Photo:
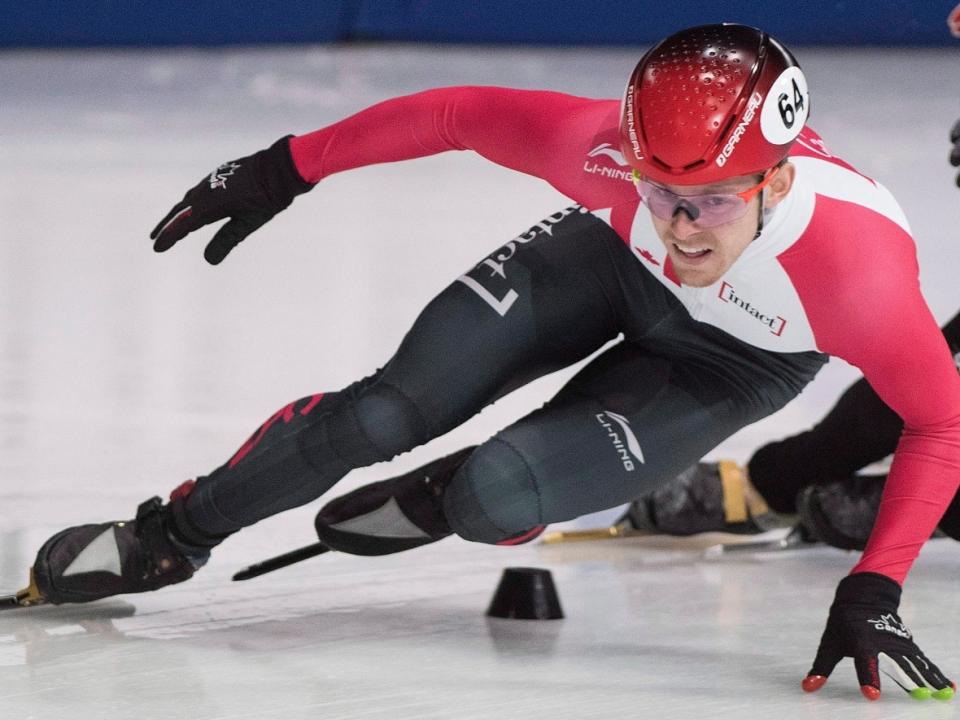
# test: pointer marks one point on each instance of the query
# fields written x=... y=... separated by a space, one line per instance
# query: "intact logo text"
x=776 y=323
x=489 y=280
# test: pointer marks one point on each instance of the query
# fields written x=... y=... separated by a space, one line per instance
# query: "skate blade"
x=793 y=540
x=281 y=561
x=620 y=530
x=28 y=597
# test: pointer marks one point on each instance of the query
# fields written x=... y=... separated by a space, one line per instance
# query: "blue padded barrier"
x=54 y=23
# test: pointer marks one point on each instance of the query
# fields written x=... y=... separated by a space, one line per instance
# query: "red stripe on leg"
x=526 y=537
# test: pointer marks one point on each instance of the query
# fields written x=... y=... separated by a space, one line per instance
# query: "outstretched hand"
x=864 y=625
x=249 y=191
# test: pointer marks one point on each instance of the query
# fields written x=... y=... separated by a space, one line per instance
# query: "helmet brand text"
x=755 y=101
x=632 y=125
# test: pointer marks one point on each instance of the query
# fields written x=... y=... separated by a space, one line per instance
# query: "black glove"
x=955 y=152
x=863 y=624
x=249 y=191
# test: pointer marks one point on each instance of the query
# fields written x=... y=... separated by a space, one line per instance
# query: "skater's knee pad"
x=493 y=497
x=378 y=425
x=392 y=515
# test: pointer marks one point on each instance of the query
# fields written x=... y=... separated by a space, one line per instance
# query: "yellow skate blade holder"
x=27 y=597
x=608 y=533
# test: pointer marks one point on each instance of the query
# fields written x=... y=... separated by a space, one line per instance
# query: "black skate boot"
x=841 y=513
x=89 y=562
x=392 y=515
x=708 y=497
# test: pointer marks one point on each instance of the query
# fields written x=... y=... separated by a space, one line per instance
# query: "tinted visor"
x=707 y=210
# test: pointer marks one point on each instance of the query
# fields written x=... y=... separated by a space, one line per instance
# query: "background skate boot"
x=708 y=497
x=841 y=513
x=89 y=562
x=392 y=515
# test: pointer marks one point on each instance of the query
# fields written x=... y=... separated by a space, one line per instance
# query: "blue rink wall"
x=59 y=23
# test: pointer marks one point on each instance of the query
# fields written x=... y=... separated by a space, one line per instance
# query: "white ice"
x=123 y=373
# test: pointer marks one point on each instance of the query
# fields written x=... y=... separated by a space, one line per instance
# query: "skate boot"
x=89 y=562
x=384 y=517
x=708 y=497
x=841 y=513
x=392 y=515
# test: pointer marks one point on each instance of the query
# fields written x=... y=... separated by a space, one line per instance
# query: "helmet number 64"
x=788 y=108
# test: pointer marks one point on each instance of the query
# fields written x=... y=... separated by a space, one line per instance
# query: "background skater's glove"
x=863 y=624
x=955 y=152
x=249 y=191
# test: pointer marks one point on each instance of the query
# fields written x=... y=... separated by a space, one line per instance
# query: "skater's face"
x=700 y=249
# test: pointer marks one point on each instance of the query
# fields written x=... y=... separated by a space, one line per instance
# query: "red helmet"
x=712 y=102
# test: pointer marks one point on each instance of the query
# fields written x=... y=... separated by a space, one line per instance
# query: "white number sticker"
x=786 y=107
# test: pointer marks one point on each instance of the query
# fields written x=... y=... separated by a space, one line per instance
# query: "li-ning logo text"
x=740 y=129
x=218 y=178
x=596 y=168
x=632 y=125
x=626 y=445
x=775 y=323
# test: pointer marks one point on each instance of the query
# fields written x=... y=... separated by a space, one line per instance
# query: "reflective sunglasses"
x=707 y=210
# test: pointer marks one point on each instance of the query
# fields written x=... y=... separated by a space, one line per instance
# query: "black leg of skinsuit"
x=859 y=430
x=537 y=304
x=548 y=298
x=634 y=417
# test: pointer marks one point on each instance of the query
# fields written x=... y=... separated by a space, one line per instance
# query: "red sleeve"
x=545 y=134
x=919 y=381
x=865 y=306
